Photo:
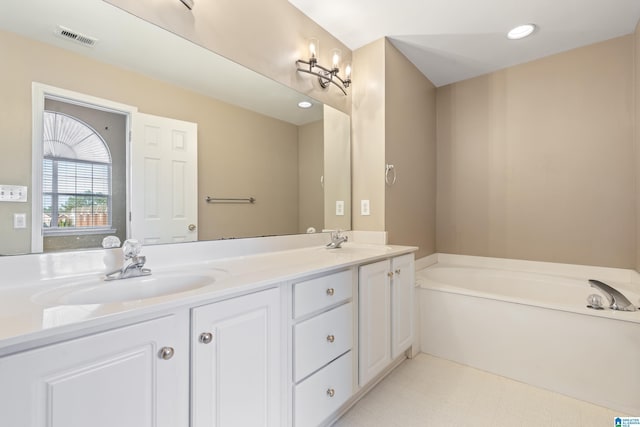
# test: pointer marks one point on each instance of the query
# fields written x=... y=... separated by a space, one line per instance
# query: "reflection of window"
x=76 y=177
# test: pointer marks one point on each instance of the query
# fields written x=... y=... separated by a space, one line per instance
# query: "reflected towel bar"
x=230 y=200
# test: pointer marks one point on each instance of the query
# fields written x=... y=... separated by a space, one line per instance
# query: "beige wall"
x=337 y=168
x=226 y=162
x=310 y=169
x=410 y=145
x=536 y=161
x=636 y=137
x=265 y=36
x=368 y=136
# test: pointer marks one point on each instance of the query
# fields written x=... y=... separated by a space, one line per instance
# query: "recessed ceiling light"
x=304 y=104
x=521 y=31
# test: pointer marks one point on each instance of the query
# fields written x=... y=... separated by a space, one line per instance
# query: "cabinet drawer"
x=321 y=339
x=321 y=292
x=324 y=392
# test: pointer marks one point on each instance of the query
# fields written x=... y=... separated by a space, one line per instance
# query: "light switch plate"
x=365 y=207
x=340 y=207
x=13 y=193
x=19 y=220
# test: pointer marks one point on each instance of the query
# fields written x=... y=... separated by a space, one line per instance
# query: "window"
x=76 y=177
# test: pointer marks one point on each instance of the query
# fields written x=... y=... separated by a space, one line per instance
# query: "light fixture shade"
x=336 y=55
x=521 y=31
x=314 y=48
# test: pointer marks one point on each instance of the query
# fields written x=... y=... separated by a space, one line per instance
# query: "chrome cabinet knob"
x=191 y=227
x=398 y=271
x=206 y=337
x=331 y=392
x=331 y=338
x=330 y=292
x=390 y=274
x=166 y=353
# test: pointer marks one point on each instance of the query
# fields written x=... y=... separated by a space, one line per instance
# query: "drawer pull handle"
x=331 y=338
x=398 y=271
x=206 y=337
x=331 y=392
x=330 y=292
x=166 y=353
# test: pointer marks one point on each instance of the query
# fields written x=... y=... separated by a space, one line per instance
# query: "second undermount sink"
x=97 y=291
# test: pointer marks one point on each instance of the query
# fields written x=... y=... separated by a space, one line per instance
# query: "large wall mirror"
x=253 y=140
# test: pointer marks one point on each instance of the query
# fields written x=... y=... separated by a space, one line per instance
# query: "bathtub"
x=534 y=327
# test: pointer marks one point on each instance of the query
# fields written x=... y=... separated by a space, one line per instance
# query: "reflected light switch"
x=19 y=220
x=340 y=207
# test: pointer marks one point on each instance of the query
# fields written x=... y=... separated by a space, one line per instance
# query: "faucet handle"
x=131 y=248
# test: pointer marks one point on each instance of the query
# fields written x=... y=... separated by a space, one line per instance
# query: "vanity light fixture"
x=521 y=31
x=188 y=3
x=326 y=76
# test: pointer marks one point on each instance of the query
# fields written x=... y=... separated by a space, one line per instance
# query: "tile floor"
x=428 y=391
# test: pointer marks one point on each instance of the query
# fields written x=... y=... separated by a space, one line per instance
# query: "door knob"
x=191 y=227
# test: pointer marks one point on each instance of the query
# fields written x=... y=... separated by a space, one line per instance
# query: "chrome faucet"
x=337 y=239
x=617 y=301
x=135 y=265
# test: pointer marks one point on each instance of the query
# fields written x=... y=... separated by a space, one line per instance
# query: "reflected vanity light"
x=521 y=31
x=188 y=3
x=326 y=76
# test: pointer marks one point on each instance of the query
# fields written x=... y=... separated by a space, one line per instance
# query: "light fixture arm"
x=325 y=75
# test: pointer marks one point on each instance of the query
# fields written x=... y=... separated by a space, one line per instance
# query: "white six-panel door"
x=164 y=180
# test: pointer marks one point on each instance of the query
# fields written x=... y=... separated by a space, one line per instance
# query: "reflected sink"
x=357 y=249
x=97 y=291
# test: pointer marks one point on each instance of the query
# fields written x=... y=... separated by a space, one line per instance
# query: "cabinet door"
x=114 y=378
x=402 y=289
x=374 y=336
x=236 y=369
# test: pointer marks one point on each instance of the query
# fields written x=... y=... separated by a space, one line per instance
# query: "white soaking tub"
x=534 y=327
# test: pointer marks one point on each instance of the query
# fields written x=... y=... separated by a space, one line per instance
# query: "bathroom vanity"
x=286 y=337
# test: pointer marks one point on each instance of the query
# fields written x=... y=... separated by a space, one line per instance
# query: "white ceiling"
x=453 y=40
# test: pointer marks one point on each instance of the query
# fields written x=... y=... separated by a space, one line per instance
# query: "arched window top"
x=66 y=137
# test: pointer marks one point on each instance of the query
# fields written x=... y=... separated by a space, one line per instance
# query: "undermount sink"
x=97 y=291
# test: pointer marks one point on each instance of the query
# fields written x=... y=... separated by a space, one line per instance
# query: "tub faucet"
x=337 y=239
x=135 y=265
x=617 y=301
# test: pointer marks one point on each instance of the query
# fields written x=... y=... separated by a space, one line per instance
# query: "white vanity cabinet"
x=132 y=376
x=385 y=306
x=322 y=332
x=236 y=375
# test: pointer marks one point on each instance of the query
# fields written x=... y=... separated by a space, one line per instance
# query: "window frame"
x=40 y=92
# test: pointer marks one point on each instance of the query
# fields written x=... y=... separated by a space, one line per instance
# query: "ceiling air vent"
x=75 y=36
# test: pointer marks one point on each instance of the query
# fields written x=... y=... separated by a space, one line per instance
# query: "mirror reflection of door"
x=84 y=176
x=164 y=187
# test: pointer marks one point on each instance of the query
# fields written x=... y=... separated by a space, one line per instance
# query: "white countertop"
x=27 y=322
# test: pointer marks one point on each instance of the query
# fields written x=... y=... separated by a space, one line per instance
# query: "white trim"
x=39 y=92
